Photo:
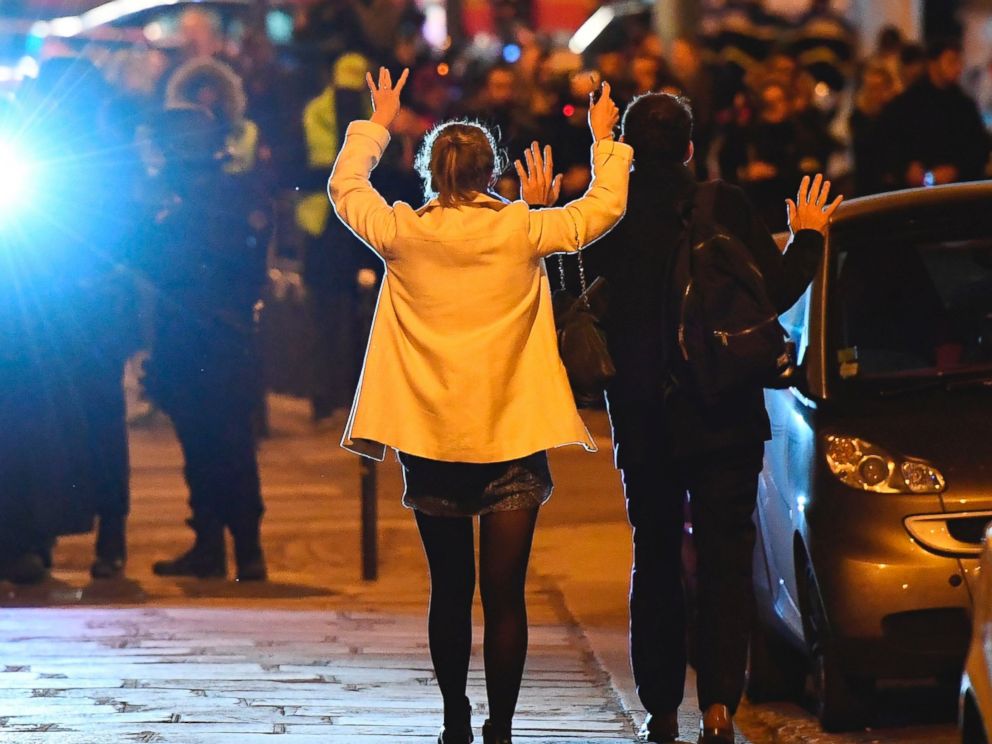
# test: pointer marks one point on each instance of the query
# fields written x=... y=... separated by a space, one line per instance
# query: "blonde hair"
x=457 y=160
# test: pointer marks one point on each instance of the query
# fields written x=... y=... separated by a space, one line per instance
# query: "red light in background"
x=443 y=69
x=568 y=109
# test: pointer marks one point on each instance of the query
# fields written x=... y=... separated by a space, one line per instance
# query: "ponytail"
x=458 y=160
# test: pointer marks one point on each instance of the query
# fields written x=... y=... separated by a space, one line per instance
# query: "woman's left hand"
x=386 y=97
x=539 y=186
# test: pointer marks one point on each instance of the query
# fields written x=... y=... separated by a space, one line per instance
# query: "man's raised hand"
x=810 y=210
x=539 y=186
x=386 y=96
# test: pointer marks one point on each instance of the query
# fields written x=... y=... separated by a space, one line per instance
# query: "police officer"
x=206 y=262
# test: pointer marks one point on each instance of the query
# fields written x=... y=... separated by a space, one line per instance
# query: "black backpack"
x=729 y=337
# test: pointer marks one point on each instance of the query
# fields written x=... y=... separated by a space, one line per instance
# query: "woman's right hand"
x=385 y=97
x=539 y=186
x=603 y=114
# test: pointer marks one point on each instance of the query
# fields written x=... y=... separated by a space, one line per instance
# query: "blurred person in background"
x=740 y=34
x=500 y=105
x=888 y=50
x=68 y=323
x=612 y=62
x=205 y=259
x=878 y=87
x=333 y=255
x=567 y=126
x=199 y=30
x=763 y=156
x=980 y=87
x=933 y=132
x=333 y=27
x=824 y=44
x=199 y=37
x=696 y=78
x=645 y=73
x=913 y=64
x=135 y=77
x=814 y=143
x=430 y=93
x=274 y=98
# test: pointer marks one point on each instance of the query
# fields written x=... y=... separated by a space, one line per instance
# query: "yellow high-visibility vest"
x=320 y=131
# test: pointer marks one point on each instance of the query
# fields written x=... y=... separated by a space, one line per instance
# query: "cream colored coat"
x=462 y=363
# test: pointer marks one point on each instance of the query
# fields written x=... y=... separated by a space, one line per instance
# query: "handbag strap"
x=582 y=272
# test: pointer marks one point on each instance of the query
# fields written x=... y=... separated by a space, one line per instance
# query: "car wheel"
x=775 y=670
x=842 y=701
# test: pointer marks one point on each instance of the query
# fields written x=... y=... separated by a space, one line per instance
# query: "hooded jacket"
x=242 y=135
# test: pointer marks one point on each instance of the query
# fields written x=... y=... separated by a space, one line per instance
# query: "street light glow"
x=592 y=28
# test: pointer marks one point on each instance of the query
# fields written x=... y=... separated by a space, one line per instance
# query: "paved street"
x=317 y=654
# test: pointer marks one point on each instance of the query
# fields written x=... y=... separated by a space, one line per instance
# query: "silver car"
x=877 y=484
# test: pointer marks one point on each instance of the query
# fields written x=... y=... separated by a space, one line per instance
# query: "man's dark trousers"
x=722 y=487
x=221 y=466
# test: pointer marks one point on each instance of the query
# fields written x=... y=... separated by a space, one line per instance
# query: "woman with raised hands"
x=462 y=375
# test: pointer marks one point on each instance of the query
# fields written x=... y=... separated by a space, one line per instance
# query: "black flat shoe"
x=660 y=728
x=207 y=558
x=107 y=567
x=26 y=568
x=490 y=735
x=248 y=551
x=253 y=570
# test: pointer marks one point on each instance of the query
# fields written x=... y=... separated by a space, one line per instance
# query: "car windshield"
x=914 y=302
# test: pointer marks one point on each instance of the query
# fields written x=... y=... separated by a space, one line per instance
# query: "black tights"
x=504 y=549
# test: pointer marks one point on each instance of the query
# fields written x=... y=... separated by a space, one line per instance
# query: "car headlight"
x=868 y=467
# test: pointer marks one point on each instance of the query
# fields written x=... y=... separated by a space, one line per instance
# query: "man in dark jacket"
x=668 y=442
x=933 y=130
x=207 y=266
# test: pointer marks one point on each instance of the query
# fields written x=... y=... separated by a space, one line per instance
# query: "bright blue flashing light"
x=511 y=53
x=15 y=178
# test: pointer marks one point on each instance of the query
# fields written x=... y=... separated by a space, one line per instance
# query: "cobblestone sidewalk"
x=241 y=676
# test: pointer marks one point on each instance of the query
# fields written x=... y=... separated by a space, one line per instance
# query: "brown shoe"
x=716 y=726
x=660 y=728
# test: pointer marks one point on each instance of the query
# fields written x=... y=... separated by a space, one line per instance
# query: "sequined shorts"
x=465 y=489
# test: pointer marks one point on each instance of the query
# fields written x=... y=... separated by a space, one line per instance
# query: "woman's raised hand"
x=603 y=114
x=810 y=210
x=539 y=186
x=385 y=96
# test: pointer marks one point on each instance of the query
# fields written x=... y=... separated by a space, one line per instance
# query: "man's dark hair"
x=937 y=47
x=659 y=127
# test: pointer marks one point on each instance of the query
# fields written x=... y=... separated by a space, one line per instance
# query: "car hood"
x=950 y=429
